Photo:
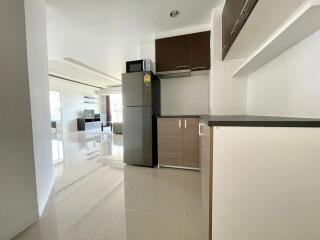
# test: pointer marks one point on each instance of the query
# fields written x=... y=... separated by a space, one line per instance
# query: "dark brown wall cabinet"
x=185 y=52
x=234 y=16
x=173 y=53
x=200 y=51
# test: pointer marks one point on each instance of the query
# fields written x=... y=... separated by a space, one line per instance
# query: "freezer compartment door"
x=137 y=136
x=136 y=89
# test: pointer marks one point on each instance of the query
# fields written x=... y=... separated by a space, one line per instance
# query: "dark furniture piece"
x=108 y=124
x=85 y=124
x=53 y=124
x=234 y=16
x=185 y=53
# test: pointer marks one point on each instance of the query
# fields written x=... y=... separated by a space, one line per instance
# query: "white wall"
x=18 y=192
x=188 y=95
x=39 y=87
x=288 y=85
x=182 y=31
x=148 y=51
x=72 y=101
x=227 y=95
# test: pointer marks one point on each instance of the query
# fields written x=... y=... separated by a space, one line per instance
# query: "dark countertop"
x=258 y=121
x=178 y=116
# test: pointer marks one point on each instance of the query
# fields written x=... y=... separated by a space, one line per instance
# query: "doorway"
x=55 y=111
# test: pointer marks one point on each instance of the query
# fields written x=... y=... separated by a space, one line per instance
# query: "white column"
x=25 y=145
x=36 y=33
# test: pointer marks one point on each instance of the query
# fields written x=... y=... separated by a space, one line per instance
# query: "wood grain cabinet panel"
x=234 y=16
x=205 y=157
x=200 y=51
x=178 y=142
x=248 y=7
x=170 y=151
x=185 y=52
x=231 y=22
x=190 y=142
x=173 y=53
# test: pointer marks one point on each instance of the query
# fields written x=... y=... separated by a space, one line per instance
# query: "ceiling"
x=76 y=71
x=103 y=34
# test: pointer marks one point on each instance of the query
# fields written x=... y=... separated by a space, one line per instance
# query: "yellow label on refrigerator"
x=147 y=78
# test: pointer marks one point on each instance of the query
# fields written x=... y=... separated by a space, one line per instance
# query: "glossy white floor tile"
x=78 y=154
x=118 y=202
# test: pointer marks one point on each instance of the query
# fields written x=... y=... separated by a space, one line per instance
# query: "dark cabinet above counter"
x=200 y=51
x=234 y=16
x=180 y=55
x=173 y=54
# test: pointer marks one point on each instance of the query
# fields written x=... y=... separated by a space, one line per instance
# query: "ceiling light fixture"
x=174 y=13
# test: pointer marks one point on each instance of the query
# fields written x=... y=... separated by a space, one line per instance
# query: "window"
x=55 y=106
x=116 y=107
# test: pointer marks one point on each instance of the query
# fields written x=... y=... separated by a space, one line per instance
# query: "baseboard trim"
x=178 y=167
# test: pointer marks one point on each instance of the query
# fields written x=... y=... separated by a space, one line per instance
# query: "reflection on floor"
x=78 y=154
x=99 y=198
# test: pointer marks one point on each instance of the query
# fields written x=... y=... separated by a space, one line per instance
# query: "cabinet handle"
x=197 y=68
x=200 y=129
x=244 y=9
x=234 y=27
x=185 y=123
x=179 y=67
x=179 y=123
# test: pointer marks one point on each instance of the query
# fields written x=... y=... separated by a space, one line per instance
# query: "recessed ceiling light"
x=174 y=13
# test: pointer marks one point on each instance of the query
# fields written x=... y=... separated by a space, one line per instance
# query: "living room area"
x=86 y=123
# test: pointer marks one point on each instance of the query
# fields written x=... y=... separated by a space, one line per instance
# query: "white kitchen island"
x=260 y=177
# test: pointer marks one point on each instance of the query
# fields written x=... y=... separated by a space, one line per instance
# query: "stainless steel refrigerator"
x=141 y=106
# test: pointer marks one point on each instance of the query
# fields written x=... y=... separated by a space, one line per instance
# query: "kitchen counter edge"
x=178 y=116
x=258 y=121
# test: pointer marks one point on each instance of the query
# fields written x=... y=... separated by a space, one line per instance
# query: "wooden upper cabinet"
x=200 y=51
x=185 y=52
x=231 y=22
x=235 y=14
x=248 y=7
x=173 y=54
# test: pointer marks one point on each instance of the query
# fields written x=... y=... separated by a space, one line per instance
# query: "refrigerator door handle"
x=185 y=123
x=179 y=123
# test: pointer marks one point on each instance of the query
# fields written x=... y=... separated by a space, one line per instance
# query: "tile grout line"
x=115 y=186
x=81 y=181
x=184 y=215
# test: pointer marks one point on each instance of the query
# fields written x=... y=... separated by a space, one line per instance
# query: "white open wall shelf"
x=301 y=24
